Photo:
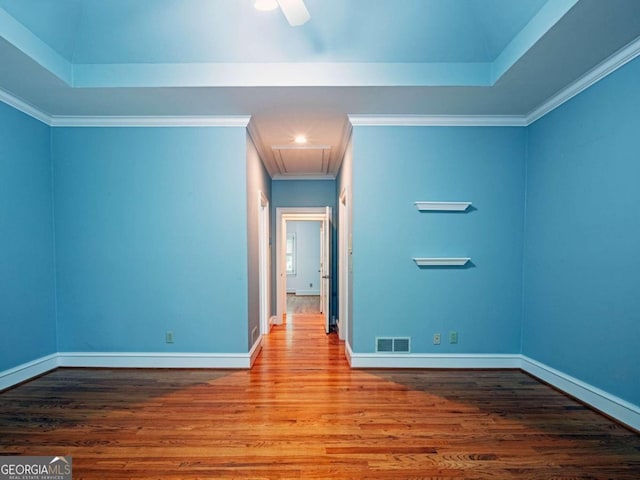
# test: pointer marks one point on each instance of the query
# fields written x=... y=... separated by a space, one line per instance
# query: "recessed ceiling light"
x=300 y=139
x=265 y=5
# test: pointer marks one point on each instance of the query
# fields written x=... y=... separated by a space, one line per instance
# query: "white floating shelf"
x=441 y=262
x=442 y=206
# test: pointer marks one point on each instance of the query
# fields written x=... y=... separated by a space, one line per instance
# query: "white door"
x=325 y=267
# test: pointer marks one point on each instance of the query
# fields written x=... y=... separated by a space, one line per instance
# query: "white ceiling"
x=499 y=61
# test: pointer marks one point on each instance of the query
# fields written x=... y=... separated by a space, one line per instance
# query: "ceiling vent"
x=303 y=161
x=393 y=344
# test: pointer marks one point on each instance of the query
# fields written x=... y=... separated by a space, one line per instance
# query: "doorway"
x=303 y=264
x=323 y=215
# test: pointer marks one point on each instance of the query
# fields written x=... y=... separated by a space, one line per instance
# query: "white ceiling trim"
x=150 y=121
x=300 y=147
x=607 y=67
x=303 y=177
x=24 y=107
x=610 y=65
x=438 y=120
x=266 y=156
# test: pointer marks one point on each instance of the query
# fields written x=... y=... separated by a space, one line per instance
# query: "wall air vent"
x=393 y=344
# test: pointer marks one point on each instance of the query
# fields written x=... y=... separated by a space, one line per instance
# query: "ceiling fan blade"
x=295 y=11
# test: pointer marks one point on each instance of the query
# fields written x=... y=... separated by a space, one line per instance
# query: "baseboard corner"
x=25 y=372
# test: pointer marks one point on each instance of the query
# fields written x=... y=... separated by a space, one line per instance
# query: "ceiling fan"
x=295 y=11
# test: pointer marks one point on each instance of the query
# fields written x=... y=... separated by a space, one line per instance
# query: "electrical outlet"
x=436 y=339
x=453 y=337
x=168 y=336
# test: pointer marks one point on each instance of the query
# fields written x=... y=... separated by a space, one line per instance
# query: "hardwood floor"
x=302 y=413
x=303 y=303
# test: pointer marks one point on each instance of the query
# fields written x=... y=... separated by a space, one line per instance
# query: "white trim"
x=265 y=154
x=24 y=107
x=27 y=371
x=438 y=120
x=348 y=352
x=264 y=270
x=124 y=120
x=302 y=293
x=617 y=408
x=596 y=74
x=610 y=65
x=150 y=121
x=255 y=351
x=156 y=359
x=300 y=147
x=431 y=360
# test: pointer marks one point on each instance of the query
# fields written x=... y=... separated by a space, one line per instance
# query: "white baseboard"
x=428 y=360
x=154 y=360
x=255 y=351
x=303 y=293
x=27 y=371
x=617 y=408
x=339 y=329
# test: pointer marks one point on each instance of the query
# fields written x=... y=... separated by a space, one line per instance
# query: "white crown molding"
x=27 y=371
x=265 y=155
x=437 y=120
x=345 y=137
x=599 y=72
x=300 y=147
x=610 y=65
x=24 y=107
x=150 y=121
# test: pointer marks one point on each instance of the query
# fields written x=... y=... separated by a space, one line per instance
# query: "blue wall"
x=303 y=193
x=396 y=166
x=151 y=229
x=582 y=306
x=27 y=290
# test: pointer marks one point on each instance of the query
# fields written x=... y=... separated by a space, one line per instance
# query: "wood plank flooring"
x=303 y=303
x=302 y=413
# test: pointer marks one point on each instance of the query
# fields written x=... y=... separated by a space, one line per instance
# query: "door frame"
x=344 y=264
x=283 y=215
x=264 y=263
